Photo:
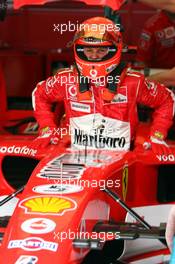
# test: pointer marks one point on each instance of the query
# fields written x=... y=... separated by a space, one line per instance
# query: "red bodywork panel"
x=43 y=214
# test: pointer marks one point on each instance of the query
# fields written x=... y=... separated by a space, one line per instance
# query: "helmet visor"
x=95 y=53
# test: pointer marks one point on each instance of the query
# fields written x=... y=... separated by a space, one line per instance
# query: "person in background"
x=170 y=228
x=156 y=45
x=167 y=77
x=168 y=5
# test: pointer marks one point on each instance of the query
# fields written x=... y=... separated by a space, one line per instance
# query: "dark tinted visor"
x=82 y=53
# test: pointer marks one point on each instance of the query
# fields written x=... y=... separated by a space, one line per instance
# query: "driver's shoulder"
x=65 y=71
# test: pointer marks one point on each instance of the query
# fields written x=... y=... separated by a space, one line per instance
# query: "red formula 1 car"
x=72 y=207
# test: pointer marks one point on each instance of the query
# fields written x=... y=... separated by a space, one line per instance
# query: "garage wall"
x=29 y=44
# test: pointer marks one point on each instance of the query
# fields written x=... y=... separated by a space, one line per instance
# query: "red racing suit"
x=102 y=124
x=157 y=42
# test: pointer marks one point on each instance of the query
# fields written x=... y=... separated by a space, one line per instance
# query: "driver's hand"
x=48 y=135
x=158 y=147
x=155 y=143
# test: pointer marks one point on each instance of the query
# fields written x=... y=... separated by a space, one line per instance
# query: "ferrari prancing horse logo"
x=125 y=181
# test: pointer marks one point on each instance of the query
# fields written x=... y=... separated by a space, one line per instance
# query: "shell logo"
x=47 y=205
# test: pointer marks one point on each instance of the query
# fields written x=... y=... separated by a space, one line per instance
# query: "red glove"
x=48 y=135
x=158 y=146
x=155 y=143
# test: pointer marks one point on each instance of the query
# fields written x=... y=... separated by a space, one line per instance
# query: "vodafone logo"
x=93 y=73
x=169 y=157
x=18 y=150
x=72 y=90
x=38 y=226
x=169 y=32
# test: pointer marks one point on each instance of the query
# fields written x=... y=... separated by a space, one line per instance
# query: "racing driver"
x=101 y=95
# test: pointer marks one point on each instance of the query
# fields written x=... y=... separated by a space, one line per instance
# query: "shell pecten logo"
x=47 y=205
